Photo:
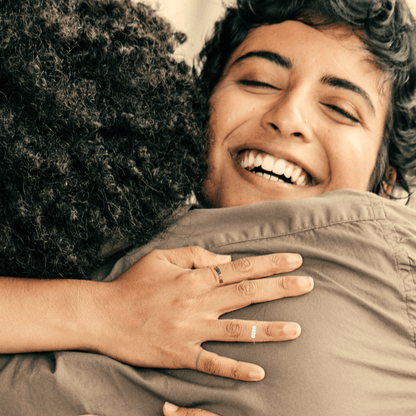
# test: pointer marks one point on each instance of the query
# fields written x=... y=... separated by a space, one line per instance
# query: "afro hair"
x=101 y=132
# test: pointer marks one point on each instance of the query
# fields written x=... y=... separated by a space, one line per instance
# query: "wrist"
x=88 y=328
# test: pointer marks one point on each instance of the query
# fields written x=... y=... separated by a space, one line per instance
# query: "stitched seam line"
x=291 y=233
x=401 y=258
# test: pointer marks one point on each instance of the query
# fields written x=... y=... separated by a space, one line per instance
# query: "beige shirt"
x=356 y=355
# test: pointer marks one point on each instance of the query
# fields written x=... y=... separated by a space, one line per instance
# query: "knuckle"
x=236 y=371
x=233 y=329
x=182 y=303
x=190 y=277
x=268 y=330
x=196 y=251
x=284 y=283
x=212 y=365
x=278 y=260
x=246 y=289
x=244 y=266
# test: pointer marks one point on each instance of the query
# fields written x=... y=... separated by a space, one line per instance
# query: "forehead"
x=316 y=52
x=294 y=34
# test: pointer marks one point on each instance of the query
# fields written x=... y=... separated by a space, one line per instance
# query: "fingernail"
x=291 y=329
x=294 y=259
x=256 y=374
x=305 y=282
x=171 y=407
x=223 y=258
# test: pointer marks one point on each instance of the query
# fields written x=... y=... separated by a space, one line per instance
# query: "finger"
x=192 y=257
x=233 y=330
x=171 y=409
x=211 y=363
x=261 y=266
x=232 y=297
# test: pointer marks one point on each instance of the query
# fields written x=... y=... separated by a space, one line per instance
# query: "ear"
x=391 y=176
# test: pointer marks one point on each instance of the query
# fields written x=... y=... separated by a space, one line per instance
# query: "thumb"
x=193 y=257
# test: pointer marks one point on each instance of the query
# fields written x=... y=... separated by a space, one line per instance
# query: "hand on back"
x=160 y=311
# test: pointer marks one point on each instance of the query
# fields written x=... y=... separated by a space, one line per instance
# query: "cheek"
x=352 y=160
x=229 y=110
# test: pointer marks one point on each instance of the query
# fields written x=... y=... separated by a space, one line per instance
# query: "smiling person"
x=276 y=110
x=318 y=99
x=312 y=106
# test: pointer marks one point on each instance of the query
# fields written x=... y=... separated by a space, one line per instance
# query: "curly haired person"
x=102 y=138
x=101 y=134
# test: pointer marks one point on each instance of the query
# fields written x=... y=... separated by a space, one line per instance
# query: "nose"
x=288 y=115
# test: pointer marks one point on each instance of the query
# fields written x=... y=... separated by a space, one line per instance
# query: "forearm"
x=46 y=315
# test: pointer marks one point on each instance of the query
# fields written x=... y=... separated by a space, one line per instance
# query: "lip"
x=277 y=154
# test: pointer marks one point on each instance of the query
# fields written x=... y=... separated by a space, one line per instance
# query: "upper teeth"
x=249 y=159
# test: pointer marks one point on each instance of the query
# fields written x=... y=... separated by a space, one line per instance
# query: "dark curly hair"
x=101 y=132
x=386 y=28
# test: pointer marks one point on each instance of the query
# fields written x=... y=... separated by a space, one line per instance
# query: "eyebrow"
x=347 y=85
x=270 y=56
x=327 y=80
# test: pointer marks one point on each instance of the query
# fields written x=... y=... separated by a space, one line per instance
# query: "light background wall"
x=412 y=5
x=196 y=18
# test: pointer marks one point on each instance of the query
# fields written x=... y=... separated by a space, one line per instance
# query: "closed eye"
x=342 y=112
x=256 y=84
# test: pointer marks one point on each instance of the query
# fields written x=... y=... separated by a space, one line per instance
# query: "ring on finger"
x=217 y=273
x=197 y=359
x=253 y=332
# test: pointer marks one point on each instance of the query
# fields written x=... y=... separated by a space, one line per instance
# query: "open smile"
x=273 y=168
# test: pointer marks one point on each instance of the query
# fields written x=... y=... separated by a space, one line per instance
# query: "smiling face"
x=298 y=112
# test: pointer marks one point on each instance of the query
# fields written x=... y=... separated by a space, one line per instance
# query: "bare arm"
x=45 y=315
x=156 y=314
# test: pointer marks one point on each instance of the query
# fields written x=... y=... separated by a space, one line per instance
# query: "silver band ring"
x=253 y=332
x=217 y=273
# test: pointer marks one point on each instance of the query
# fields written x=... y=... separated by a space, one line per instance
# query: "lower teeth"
x=275 y=178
